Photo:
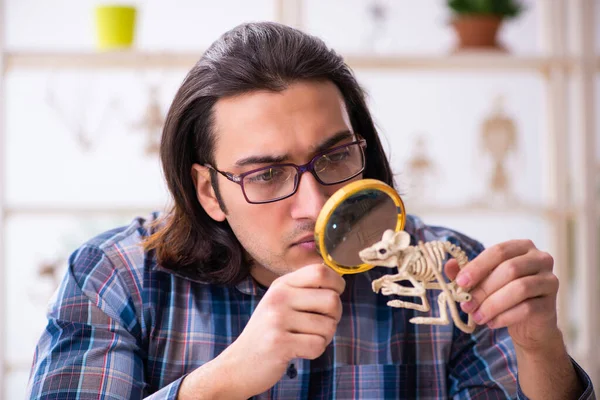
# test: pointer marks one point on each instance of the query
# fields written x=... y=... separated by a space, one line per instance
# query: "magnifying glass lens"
x=354 y=218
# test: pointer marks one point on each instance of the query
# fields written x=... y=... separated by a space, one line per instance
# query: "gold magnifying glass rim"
x=331 y=205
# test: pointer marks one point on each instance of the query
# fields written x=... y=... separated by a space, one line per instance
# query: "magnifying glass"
x=354 y=218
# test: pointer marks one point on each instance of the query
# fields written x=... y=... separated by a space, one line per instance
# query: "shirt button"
x=292 y=372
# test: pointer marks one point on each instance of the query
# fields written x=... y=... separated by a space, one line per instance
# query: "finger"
x=312 y=324
x=451 y=268
x=316 y=276
x=321 y=301
x=513 y=294
x=524 y=311
x=506 y=272
x=481 y=266
x=308 y=346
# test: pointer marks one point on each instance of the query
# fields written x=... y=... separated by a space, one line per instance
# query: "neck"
x=263 y=276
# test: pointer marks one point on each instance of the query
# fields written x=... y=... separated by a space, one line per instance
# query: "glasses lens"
x=269 y=183
x=340 y=164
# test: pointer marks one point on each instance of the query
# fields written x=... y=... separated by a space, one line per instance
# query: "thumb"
x=451 y=268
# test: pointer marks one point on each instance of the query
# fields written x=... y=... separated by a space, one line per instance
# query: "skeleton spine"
x=457 y=253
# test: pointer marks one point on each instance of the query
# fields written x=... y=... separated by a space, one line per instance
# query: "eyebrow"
x=269 y=159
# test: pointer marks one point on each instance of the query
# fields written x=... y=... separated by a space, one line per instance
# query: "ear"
x=387 y=235
x=401 y=240
x=205 y=193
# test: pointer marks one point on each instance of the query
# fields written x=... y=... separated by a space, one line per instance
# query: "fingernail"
x=463 y=280
x=478 y=317
x=468 y=306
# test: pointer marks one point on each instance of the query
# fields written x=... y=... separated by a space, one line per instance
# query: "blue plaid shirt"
x=120 y=327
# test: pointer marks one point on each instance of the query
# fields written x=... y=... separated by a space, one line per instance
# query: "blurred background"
x=497 y=138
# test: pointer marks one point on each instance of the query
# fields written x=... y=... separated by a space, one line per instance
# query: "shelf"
x=100 y=60
x=80 y=211
x=185 y=60
x=464 y=61
x=451 y=210
x=480 y=209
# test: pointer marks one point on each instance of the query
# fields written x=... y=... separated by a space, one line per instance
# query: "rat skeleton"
x=422 y=266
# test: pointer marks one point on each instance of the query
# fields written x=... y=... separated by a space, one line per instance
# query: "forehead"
x=290 y=122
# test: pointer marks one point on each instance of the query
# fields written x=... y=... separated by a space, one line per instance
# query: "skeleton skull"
x=388 y=252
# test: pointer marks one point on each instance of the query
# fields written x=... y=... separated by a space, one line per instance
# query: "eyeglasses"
x=280 y=181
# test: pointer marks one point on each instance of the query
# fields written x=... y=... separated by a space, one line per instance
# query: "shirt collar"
x=250 y=287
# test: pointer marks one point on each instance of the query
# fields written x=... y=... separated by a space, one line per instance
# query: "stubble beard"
x=278 y=263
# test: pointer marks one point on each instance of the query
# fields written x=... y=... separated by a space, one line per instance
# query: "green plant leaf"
x=502 y=8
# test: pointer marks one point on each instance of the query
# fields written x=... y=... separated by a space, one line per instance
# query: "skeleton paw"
x=380 y=283
x=429 y=321
x=389 y=288
x=458 y=293
x=376 y=285
x=460 y=297
x=396 y=303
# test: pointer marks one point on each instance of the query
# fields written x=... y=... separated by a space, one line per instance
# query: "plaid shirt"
x=120 y=327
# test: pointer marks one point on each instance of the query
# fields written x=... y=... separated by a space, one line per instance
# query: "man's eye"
x=268 y=176
x=264 y=177
x=338 y=156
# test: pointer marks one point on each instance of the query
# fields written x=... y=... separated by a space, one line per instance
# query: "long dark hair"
x=252 y=56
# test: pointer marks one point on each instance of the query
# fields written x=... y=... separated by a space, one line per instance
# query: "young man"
x=226 y=297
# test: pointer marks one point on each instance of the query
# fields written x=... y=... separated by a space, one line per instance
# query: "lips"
x=304 y=239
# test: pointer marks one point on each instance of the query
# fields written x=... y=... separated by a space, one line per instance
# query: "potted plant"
x=477 y=22
x=115 y=26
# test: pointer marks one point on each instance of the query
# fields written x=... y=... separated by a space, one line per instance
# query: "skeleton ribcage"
x=437 y=251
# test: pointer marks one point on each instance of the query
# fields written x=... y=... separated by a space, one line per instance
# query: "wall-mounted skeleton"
x=422 y=266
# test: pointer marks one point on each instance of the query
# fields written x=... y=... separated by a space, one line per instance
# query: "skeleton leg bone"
x=411 y=306
x=388 y=285
x=390 y=289
x=441 y=320
x=450 y=300
x=418 y=291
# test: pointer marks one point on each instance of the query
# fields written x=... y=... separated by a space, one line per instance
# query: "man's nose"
x=309 y=198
